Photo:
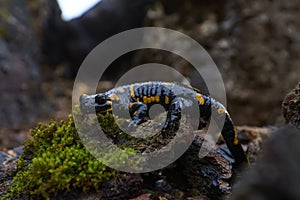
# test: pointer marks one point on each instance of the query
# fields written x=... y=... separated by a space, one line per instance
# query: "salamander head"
x=100 y=103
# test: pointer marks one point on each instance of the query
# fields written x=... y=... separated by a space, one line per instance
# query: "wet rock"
x=276 y=173
x=162 y=185
x=210 y=175
x=291 y=106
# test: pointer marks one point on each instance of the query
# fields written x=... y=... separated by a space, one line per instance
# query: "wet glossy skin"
x=140 y=97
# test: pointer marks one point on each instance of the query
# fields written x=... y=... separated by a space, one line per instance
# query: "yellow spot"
x=221 y=110
x=152 y=99
x=145 y=99
x=121 y=90
x=166 y=100
x=137 y=99
x=134 y=113
x=157 y=99
x=149 y=100
x=200 y=99
x=236 y=140
x=131 y=88
x=114 y=97
x=109 y=102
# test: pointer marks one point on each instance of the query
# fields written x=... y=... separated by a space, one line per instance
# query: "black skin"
x=141 y=96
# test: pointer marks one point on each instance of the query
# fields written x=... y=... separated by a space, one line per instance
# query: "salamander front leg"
x=173 y=117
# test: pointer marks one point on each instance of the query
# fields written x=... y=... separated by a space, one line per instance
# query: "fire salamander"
x=141 y=96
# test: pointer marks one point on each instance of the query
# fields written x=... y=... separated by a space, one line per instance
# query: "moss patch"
x=58 y=163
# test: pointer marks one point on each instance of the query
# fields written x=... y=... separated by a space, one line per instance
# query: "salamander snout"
x=94 y=103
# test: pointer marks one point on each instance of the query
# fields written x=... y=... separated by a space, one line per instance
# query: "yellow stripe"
x=236 y=140
x=152 y=99
x=149 y=100
x=200 y=99
x=131 y=88
x=145 y=99
x=157 y=99
x=166 y=100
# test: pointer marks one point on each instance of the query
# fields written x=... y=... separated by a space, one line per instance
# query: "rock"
x=125 y=186
x=212 y=176
x=253 y=139
x=225 y=29
x=8 y=168
x=162 y=185
x=262 y=47
x=276 y=173
x=22 y=101
x=19 y=71
x=143 y=197
x=72 y=41
x=291 y=106
x=3 y=157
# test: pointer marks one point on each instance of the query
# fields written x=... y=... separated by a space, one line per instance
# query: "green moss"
x=59 y=162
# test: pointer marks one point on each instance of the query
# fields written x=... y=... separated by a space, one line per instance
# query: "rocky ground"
x=211 y=177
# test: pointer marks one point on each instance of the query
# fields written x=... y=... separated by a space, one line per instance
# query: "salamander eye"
x=100 y=99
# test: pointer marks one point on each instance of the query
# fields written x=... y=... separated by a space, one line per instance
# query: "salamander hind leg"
x=138 y=112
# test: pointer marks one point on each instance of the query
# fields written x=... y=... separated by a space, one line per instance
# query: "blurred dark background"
x=255 y=44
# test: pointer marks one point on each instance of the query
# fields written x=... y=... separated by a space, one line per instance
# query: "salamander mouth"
x=98 y=103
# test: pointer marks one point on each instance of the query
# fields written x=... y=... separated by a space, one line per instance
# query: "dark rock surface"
x=291 y=106
x=261 y=58
x=211 y=177
x=24 y=99
x=276 y=173
x=71 y=41
x=125 y=186
x=19 y=68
